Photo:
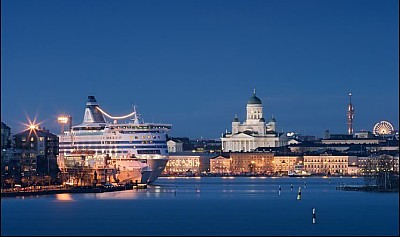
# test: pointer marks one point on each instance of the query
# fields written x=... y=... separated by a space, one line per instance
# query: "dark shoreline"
x=85 y=189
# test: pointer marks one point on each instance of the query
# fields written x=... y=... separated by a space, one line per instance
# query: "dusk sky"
x=194 y=64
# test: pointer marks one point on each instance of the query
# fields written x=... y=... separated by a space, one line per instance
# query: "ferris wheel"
x=383 y=127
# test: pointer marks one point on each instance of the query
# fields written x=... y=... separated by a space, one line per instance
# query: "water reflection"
x=127 y=194
x=64 y=197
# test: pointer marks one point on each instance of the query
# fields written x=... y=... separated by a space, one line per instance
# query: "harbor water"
x=240 y=206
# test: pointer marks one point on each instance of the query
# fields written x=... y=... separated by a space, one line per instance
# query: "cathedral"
x=254 y=132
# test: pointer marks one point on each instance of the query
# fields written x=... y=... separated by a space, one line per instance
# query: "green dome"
x=254 y=100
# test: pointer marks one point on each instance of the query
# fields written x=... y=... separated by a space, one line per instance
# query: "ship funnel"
x=92 y=114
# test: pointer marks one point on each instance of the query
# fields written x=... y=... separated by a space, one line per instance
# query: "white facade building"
x=174 y=146
x=254 y=132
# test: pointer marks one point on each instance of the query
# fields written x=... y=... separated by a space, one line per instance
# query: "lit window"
x=32 y=139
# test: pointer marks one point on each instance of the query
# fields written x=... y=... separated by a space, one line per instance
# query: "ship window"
x=23 y=139
x=32 y=139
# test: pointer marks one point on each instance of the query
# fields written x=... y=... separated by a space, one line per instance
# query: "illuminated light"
x=113 y=117
x=63 y=119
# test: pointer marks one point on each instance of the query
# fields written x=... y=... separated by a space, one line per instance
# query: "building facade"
x=39 y=151
x=220 y=165
x=188 y=162
x=328 y=164
x=286 y=164
x=254 y=132
x=5 y=136
x=252 y=162
x=174 y=146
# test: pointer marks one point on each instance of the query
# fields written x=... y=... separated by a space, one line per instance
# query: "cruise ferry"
x=133 y=148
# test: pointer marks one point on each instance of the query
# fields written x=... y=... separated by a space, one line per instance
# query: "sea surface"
x=240 y=206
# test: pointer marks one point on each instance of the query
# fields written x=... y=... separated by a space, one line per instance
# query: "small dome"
x=273 y=119
x=262 y=120
x=235 y=120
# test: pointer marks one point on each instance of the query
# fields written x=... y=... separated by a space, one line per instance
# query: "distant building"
x=254 y=132
x=188 y=162
x=252 y=162
x=351 y=140
x=364 y=134
x=206 y=145
x=373 y=162
x=5 y=136
x=10 y=160
x=328 y=164
x=39 y=150
x=286 y=164
x=174 y=146
x=220 y=165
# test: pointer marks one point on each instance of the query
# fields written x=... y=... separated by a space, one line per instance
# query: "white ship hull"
x=158 y=166
x=134 y=176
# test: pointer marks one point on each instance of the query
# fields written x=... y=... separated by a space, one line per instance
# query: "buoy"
x=291 y=187
x=305 y=184
x=329 y=180
x=280 y=190
x=299 y=194
x=313 y=216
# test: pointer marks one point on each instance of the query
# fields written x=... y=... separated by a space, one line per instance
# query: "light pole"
x=62 y=120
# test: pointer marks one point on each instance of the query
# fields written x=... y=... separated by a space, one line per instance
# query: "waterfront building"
x=174 y=146
x=286 y=164
x=39 y=150
x=376 y=161
x=220 y=165
x=5 y=136
x=353 y=170
x=328 y=163
x=188 y=162
x=254 y=132
x=252 y=162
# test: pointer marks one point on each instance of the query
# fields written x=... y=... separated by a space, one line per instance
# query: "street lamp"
x=62 y=120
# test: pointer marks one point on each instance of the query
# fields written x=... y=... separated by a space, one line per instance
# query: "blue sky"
x=194 y=64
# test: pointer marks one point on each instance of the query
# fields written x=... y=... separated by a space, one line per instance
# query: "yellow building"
x=252 y=162
x=284 y=164
x=328 y=164
x=220 y=165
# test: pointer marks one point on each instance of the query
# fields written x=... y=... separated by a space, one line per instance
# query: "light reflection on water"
x=208 y=206
x=64 y=197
